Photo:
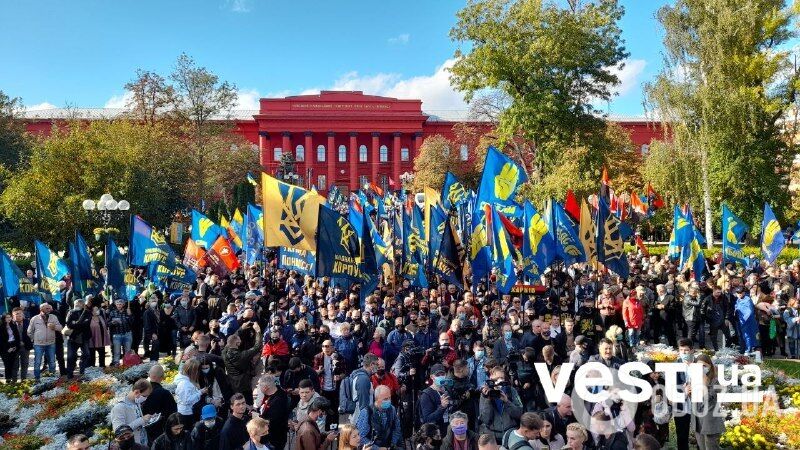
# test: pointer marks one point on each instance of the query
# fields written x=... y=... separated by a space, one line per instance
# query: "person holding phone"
x=309 y=434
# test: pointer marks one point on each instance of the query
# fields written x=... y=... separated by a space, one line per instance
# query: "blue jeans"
x=633 y=337
x=117 y=341
x=49 y=352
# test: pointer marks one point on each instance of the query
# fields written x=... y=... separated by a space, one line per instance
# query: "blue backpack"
x=348 y=395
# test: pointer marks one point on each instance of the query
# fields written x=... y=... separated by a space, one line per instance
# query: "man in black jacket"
x=234 y=433
x=159 y=401
x=78 y=339
x=150 y=321
x=274 y=407
x=434 y=401
x=206 y=432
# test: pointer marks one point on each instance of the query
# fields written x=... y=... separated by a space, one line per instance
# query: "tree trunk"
x=707 y=200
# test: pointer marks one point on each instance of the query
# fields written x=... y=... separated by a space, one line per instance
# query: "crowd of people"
x=271 y=359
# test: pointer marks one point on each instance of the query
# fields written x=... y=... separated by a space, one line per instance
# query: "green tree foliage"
x=142 y=164
x=14 y=143
x=436 y=157
x=724 y=93
x=552 y=62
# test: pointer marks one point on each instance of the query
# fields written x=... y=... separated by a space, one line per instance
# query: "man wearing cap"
x=78 y=337
x=123 y=440
x=434 y=403
x=205 y=434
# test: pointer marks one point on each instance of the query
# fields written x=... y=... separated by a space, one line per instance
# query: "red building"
x=341 y=137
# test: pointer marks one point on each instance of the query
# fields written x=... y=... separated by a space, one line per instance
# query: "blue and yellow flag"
x=538 y=246
x=301 y=261
x=179 y=278
x=568 y=246
x=290 y=214
x=13 y=282
x=503 y=254
x=254 y=235
x=204 y=231
x=678 y=220
x=120 y=276
x=772 y=238
x=251 y=179
x=338 y=249
x=51 y=269
x=370 y=269
x=733 y=231
x=447 y=262
x=438 y=220
x=453 y=192
x=691 y=253
x=611 y=249
x=499 y=183
x=148 y=245
x=81 y=266
x=355 y=214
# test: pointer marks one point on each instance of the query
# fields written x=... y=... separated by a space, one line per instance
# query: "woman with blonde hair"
x=577 y=437
x=257 y=428
x=349 y=439
x=188 y=391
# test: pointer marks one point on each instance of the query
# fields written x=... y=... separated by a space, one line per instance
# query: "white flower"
x=59 y=442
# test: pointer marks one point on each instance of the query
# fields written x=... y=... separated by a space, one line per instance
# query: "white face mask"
x=209 y=423
x=140 y=399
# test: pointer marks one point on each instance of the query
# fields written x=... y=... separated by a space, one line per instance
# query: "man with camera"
x=506 y=345
x=500 y=406
x=434 y=402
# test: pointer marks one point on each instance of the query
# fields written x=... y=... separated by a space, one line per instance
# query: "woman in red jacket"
x=633 y=315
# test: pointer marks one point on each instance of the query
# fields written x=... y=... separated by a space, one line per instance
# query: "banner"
x=337 y=247
x=13 y=282
x=51 y=270
x=301 y=261
x=194 y=256
x=290 y=214
x=119 y=276
x=148 y=245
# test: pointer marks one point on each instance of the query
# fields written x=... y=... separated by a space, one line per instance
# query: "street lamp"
x=106 y=207
x=406 y=178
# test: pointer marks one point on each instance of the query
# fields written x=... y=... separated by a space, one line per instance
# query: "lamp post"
x=406 y=178
x=105 y=208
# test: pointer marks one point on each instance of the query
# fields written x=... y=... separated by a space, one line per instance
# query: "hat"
x=208 y=412
x=438 y=369
x=121 y=430
x=408 y=343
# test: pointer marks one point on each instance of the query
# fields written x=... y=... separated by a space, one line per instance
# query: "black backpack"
x=521 y=444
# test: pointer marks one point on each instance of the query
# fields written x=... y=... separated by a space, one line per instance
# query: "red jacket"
x=280 y=348
x=633 y=313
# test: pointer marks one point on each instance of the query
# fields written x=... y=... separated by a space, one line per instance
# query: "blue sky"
x=57 y=53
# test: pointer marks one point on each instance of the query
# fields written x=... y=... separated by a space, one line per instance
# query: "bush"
x=786 y=257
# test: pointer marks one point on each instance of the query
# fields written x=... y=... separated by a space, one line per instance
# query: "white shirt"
x=327 y=371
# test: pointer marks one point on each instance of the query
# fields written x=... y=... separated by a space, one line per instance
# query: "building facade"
x=343 y=138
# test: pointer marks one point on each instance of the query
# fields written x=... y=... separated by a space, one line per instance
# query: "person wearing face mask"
x=382 y=377
x=128 y=411
x=434 y=403
x=427 y=437
x=444 y=353
x=505 y=345
x=276 y=347
x=78 y=337
x=500 y=407
x=458 y=436
x=150 y=320
x=123 y=440
x=395 y=339
x=707 y=426
x=185 y=318
x=295 y=373
x=379 y=423
x=475 y=365
x=205 y=434
x=175 y=436
x=310 y=435
x=682 y=410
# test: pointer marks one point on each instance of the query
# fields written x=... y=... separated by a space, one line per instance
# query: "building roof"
x=435 y=115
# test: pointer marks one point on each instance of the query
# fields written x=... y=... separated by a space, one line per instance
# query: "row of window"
x=383 y=182
x=383 y=153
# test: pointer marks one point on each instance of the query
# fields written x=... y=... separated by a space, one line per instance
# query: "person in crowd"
x=577 y=437
x=160 y=401
x=77 y=332
x=124 y=440
x=547 y=438
x=150 y=324
x=681 y=412
x=175 y=436
x=20 y=322
x=239 y=363
x=128 y=411
x=708 y=426
x=507 y=344
x=188 y=391
x=310 y=436
x=791 y=316
x=273 y=406
x=434 y=403
x=307 y=395
x=646 y=442
x=206 y=432
x=42 y=331
x=379 y=423
x=487 y=442
x=120 y=321
x=459 y=436
x=519 y=439
x=10 y=339
x=257 y=431
x=99 y=337
x=427 y=437
x=500 y=407
x=349 y=439
x=80 y=442
x=234 y=432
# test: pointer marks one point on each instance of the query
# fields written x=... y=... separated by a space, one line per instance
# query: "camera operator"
x=444 y=353
x=506 y=345
x=434 y=402
x=463 y=394
x=500 y=406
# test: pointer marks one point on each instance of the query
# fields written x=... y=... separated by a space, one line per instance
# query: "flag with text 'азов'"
x=338 y=249
x=147 y=245
x=51 y=269
x=290 y=214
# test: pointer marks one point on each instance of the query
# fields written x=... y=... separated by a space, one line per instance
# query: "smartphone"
x=333 y=426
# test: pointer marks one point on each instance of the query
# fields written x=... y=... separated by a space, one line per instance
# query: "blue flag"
x=499 y=183
x=148 y=245
x=439 y=220
x=171 y=280
x=355 y=214
x=301 y=261
x=691 y=253
x=453 y=192
x=568 y=246
x=254 y=235
x=503 y=255
x=338 y=249
x=733 y=230
x=538 y=244
x=369 y=263
x=84 y=276
x=51 y=269
x=119 y=276
x=611 y=250
x=204 y=231
x=13 y=282
x=772 y=239
x=448 y=262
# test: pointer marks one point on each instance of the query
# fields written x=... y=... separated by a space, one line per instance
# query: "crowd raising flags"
x=492 y=234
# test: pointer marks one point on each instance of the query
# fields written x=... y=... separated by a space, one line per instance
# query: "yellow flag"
x=223 y=222
x=237 y=217
x=587 y=234
x=290 y=215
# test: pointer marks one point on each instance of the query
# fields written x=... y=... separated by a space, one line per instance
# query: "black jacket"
x=168 y=442
x=159 y=401
x=204 y=438
x=78 y=322
x=276 y=409
x=5 y=345
x=234 y=433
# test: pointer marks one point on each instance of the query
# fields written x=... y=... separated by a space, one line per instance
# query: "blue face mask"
x=386 y=404
x=507 y=335
x=460 y=430
x=440 y=380
x=479 y=354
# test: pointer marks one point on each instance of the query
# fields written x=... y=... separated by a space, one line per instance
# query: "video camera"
x=495 y=388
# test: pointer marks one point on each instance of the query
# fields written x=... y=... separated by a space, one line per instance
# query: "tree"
x=150 y=96
x=551 y=62
x=142 y=164
x=435 y=159
x=14 y=142
x=724 y=92
x=200 y=98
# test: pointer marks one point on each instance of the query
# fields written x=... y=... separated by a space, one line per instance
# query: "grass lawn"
x=791 y=367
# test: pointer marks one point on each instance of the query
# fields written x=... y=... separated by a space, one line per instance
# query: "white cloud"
x=247 y=99
x=628 y=75
x=238 y=6
x=40 y=106
x=119 y=101
x=402 y=38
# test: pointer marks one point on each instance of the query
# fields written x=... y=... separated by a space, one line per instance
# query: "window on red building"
x=322 y=182
x=342 y=153
x=300 y=153
x=362 y=153
x=404 y=154
x=384 y=153
x=321 y=153
x=277 y=153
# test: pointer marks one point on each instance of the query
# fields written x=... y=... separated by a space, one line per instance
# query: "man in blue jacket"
x=434 y=403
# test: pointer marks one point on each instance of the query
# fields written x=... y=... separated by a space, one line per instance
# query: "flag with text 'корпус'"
x=733 y=231
x=51 y=269
x=772 y=238
x=147 y=245
x=204 y=231
x=290 y=214
x=171 y=281
x=13 y=282
x=337 y=247
x=221 y=258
